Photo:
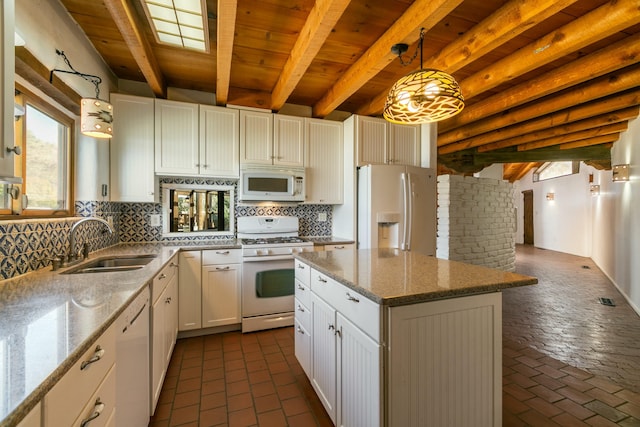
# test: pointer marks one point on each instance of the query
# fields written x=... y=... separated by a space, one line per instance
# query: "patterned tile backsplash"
x=27 y=245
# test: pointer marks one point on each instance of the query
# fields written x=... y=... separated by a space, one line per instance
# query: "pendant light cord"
x=96 y=80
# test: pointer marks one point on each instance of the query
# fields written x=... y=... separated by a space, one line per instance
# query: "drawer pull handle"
x=300 y=330
x=168 y=300
x=222 y=252
x=222 y=268
x=338 y=247
x=300 y=308
x=162 y=276
x=301 y=266
x=339 y=333
x=97 y=355
x=350 y=298
x=320 y=279
x=301 y=287
x=97 y=410
x=173 y=264
x=331 y=327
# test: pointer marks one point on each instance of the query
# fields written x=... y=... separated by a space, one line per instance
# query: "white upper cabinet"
x=219 y=141
x=271 y=139
x=132 y=164
x=7 y=89
x=381 y=142
x=324 y=162
x=176 y=138
x=288 y=140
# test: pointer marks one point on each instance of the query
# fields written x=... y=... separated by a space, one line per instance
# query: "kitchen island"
x=394 y=338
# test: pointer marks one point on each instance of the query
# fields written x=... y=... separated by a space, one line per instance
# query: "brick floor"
x=567 y=361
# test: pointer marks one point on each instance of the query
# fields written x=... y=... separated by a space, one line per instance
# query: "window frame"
x=24 y=97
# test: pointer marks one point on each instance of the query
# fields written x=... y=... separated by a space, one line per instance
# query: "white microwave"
x=271 y=184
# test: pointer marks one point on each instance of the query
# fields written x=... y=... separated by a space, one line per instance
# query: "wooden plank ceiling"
x=543 y=80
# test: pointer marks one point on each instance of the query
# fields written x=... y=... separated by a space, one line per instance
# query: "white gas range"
x=268 y=245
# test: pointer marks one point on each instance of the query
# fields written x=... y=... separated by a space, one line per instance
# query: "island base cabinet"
x=358 y=400
x=445 y=363
x=323 y=371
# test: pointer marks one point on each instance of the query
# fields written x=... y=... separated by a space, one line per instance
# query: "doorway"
x=528 y=217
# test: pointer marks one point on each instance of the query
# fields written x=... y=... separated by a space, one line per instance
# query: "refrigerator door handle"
x=406 y=211
x=409 y=210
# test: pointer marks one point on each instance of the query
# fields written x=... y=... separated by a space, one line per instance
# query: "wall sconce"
x=551 y=196
x=422 y=96
x=620 y=173
x=96 y=115
x=595 y=189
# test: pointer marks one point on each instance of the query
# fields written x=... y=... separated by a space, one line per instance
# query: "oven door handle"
x=265 y=258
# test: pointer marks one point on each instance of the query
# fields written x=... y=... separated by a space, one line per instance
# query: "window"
x=45 y=136
x=556 y=169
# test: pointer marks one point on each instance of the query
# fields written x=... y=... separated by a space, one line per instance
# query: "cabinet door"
x=256 y=137
x=303 y=347
x=33 y=418
x=404 y=144
x=176 y=138
x=132 y=161
x=171 y=319
x=288 y=140
x=323 y=372
x=324 y=162
x=358 y=377
x=220 y=295
x=219 y=141
x=158 y=337
x=372 y=140
x=7 y=73
x=189 y=291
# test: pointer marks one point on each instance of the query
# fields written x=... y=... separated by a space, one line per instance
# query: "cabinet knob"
x=168 y=300
x=331 y=327
x=300 y=330
x=162 y=276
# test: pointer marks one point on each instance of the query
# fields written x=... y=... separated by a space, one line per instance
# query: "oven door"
x=267 y=287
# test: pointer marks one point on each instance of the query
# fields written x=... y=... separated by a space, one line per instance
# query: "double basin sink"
x=112 y=263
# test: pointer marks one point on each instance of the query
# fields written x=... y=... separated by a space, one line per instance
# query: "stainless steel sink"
x=110 y=264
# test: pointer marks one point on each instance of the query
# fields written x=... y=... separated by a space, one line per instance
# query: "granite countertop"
x=392 y=277
x=50 y=319
x=328 y=240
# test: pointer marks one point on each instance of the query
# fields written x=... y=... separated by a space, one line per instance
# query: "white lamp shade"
x=96 y=118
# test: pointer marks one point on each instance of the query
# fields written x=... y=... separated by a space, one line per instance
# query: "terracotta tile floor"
x=567 y=361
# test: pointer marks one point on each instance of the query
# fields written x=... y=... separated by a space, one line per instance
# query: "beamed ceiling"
x=543 y=80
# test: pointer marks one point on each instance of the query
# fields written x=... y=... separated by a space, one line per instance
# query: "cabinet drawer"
x=338 y=247
x=303 y=272
x=302 y=313
x=360 y=310
x=221 y=256
x=102 y=402
x=163 y=278
x=62 y=405
x=303 y=292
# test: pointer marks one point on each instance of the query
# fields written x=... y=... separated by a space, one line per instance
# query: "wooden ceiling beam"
x=596 y=25
x=606 y=141
x=610 y=107
x=32 y=70
x=526 y=167
x=582 y=125
x=575 y=136
x=609 y=59
x=226 y=27
x=406 y=29
x=596 y=151
x=509 y=21
x=597 y=88
x=322 y=18
x=124 y=17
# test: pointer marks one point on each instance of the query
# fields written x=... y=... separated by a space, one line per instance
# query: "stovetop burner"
x=272 y=240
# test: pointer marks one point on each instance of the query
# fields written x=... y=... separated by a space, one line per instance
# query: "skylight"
x=181 y=23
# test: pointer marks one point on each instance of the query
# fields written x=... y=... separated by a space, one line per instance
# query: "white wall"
x=46 y=26
x=616 y=218
x=562 y=224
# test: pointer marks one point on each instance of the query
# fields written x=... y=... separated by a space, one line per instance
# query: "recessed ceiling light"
x=180 y=23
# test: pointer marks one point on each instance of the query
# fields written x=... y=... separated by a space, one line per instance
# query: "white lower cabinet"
x=210 y=288
x=33 y=418
x=164 y=326
x=87 y=390
x=345 y=353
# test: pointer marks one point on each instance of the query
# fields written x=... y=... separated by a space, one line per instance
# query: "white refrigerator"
x=397 y=208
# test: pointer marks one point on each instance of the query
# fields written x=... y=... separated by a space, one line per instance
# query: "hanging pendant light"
x=423 y=96
x=96 y=115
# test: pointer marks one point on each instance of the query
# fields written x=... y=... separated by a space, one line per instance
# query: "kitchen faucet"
x=73 y=254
